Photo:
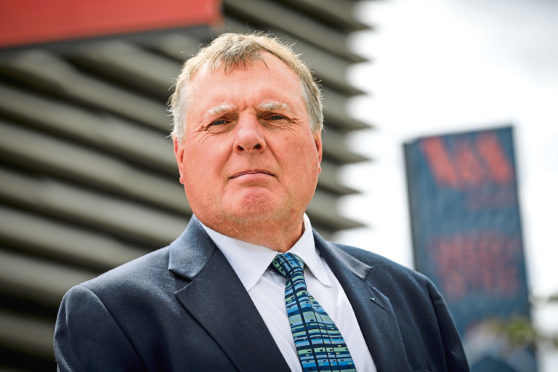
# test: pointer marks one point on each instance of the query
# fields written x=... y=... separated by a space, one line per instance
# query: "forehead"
x=264 y=76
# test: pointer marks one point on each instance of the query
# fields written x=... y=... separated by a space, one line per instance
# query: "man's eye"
x=219 y=126
x=219 y=122
x=276 y=117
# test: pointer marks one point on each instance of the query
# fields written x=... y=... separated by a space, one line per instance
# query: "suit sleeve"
x=454 y=354
x=87 y=338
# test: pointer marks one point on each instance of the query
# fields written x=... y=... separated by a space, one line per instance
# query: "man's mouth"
x=251 y=171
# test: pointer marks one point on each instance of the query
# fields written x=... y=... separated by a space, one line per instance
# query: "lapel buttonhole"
x=375 y=300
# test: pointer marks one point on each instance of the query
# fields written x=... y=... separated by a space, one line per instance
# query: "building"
x=88 y=177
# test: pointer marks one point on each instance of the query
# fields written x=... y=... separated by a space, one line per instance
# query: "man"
x=249 y=286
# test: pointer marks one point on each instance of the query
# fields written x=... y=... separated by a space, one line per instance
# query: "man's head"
x=246 y=150
x=234 y=50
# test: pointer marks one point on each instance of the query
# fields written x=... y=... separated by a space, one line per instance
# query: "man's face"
x=248 y=154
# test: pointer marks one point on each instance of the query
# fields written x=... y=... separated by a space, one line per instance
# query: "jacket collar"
x=191 y=251
x=372 y=308
x=217 y=299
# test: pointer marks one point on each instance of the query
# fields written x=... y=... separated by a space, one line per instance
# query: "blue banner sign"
x=466 y=231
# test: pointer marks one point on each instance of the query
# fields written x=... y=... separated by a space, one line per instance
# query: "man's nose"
x=250 y=136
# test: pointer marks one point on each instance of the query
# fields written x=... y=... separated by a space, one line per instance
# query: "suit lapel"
x=216 y=298
x=372 y=308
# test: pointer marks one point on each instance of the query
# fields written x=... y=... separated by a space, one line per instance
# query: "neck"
x=277 y=235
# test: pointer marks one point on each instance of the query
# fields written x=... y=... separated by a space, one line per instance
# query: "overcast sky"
x=444 y=66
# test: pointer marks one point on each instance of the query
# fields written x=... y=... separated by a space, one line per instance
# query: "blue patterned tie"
x=318 y=342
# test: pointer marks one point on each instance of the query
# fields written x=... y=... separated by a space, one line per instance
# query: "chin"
x=257 y=207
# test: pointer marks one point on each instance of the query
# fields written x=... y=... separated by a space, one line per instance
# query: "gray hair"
x=235 y=50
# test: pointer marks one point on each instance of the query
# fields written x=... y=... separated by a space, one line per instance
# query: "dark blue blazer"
x=183 y=308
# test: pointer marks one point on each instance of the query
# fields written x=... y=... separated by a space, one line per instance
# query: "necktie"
x=319 y=344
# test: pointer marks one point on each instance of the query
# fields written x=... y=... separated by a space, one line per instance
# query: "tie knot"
x=288 y=264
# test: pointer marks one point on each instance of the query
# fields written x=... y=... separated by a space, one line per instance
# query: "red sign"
x=473 y=162
x=467 y=237
x=31 y=21
x=477 y=262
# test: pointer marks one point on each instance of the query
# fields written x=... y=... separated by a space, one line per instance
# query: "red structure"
x=29 y=22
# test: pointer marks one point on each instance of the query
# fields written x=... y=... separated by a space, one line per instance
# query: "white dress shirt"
x=267 y=290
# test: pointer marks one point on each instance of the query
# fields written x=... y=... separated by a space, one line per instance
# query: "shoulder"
x=385 y=272
x=115 y=297
x=372 y=259
x=99 y=321
x=409 y=291
x=145 y=273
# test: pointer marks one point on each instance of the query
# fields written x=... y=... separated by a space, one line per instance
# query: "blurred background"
x=88 y=179
x=448 y=66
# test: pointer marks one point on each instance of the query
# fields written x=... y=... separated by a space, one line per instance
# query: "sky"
x=440 y=67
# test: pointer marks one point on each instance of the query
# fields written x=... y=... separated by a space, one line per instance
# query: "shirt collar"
x=250 y=261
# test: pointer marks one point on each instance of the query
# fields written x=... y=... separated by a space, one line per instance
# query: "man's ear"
x=178 y=154
x=319 y=149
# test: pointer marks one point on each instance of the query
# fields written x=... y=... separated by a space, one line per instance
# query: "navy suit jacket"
x=183 y=308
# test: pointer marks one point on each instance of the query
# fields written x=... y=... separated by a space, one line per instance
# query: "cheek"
x=305 y=166
x=204 y=163
x=192 y=168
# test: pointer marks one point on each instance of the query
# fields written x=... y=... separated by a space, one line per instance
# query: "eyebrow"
x=219 y=109
x=271 y=106
x=268 y=106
